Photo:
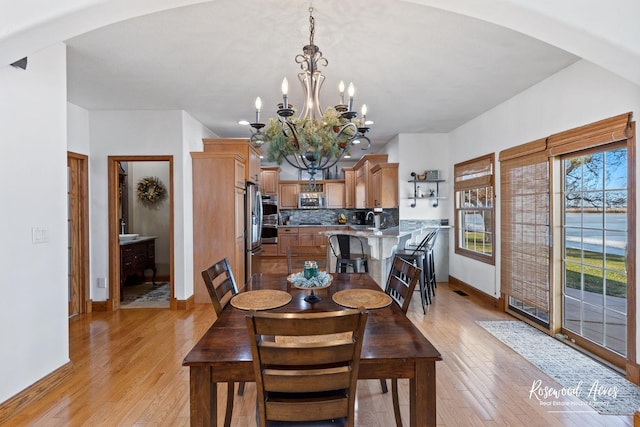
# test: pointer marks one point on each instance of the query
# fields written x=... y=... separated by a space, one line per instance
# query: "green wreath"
x=151 y=190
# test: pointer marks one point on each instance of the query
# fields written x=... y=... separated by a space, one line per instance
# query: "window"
x=566 y=230
x=473 y=186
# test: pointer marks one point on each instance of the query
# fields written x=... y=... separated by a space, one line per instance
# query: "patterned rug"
x=146 y=295
x=596 y=385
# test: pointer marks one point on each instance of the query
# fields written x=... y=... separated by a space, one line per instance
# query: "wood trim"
x=537 y=146
x=457 y=284
x=633 y=372
x=99 y=305
x=82 y=218
x=34 y=392
x=631 y=248
x=113 y=301
x=182 y=304
x=590 y=135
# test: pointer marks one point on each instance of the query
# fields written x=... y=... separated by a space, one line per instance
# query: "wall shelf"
x=434 y=195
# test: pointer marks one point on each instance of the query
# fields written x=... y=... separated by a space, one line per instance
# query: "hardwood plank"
x=126 y=370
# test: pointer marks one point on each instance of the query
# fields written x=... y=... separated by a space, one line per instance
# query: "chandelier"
x=314 y=140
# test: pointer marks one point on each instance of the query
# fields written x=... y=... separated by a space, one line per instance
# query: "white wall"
x=33 y=170
x=192 y=134
x=123 y=133
x=419 y=153
x=580 y=94
x=77 y=129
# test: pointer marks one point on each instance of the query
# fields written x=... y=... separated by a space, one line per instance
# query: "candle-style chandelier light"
x=315 y=140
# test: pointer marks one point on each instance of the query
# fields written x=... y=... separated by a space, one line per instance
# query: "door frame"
x=113 y=302
x=78 y=166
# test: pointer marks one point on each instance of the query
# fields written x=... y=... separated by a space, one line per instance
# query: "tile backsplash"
x=330 y=216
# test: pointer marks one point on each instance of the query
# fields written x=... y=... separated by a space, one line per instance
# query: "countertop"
x=405 y=227
x=138 y=240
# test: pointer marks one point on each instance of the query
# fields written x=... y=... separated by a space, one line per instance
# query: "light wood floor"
x=127 y=371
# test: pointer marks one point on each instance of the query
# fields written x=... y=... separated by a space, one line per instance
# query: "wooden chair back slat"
x=220 y=283
x=401 y=282
x=306 y=364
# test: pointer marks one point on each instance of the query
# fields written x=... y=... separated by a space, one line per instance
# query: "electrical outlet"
x=102 y=282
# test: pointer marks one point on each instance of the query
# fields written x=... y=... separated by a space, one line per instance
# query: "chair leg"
x=241 y=388
x=383 y=385
x=229 y=410
x=396 y=402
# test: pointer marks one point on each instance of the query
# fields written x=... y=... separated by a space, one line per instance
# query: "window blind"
x=473 y=173
x=525 y=213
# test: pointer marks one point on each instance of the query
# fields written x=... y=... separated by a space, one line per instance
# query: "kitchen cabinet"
x=364 y=193
x=218 y=215
x=310 y=236
x=384 y=185
x=287 y=237
x=269 y=177
x=240 y=146
x=300 y=236
x=288 y=195
x=349 y=188
x=334 y=192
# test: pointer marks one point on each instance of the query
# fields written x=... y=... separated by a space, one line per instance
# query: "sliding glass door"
x=594 y=252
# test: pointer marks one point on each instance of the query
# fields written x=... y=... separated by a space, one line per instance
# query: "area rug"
x=596 y=385
x=146 y=295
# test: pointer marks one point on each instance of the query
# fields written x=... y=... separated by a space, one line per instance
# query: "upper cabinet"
x=334 y=192
x=269 y=178
x=288 y=195
x=364 y=197
x=241 y=146
x=384 y=185
x=349 y=188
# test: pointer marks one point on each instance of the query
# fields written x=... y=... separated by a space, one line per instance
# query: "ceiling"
x=418 y=69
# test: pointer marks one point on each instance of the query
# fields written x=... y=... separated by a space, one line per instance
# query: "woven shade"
x=473 y=174
x=603 y=132
x=525 y=210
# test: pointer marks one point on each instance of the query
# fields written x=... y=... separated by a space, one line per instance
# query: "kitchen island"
x=382 y=244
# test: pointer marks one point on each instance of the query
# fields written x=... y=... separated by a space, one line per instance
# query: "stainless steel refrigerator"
x=253 y=230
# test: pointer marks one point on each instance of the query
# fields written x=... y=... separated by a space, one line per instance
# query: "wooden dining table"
x=392 y=348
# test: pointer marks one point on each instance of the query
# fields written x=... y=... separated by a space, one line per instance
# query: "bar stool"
x=418 y=255
x=342 y=246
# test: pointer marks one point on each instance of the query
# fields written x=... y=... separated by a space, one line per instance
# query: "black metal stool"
x=422 y=256
x=341 y=246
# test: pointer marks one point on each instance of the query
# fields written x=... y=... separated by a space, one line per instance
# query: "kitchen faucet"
x=123 y=225
x=366 y=217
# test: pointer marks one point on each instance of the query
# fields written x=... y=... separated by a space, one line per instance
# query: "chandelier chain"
x=312 y=26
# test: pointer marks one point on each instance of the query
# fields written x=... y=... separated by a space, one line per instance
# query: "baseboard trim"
x=99 y=306
x=458 y=284
x=35 y=391
x=633 y=372
x=187 y=304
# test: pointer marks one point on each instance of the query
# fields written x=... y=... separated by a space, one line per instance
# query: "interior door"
x=77 y=224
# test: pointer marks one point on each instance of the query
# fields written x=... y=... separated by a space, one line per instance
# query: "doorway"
x=141 y=232
x=78 y=232
x=595 y=282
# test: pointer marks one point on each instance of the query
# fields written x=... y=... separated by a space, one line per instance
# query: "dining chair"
x=297 y=255
x=306 y=366
x=401 y=283
x=222 y=286
x=349 y=252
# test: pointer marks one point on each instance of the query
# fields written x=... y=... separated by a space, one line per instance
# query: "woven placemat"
x=367 y=298
x=262 y=299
